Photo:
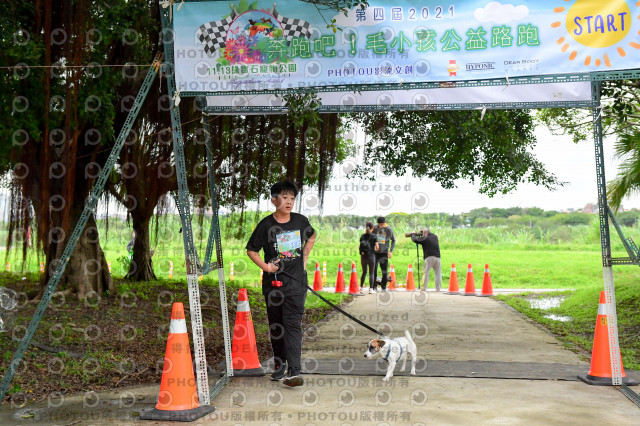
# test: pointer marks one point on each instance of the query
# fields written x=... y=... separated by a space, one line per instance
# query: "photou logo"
x=312 y=69
x=347 y=202
x=346 y=398
x=310 y=398
x=384 y=201
x=383 y=397
x=418 y=397
x=419 y=201
x=310 y=202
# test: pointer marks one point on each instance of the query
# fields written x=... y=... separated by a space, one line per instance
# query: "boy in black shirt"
x=287 y=239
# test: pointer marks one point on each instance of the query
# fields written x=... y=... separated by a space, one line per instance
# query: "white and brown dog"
x=392 y=351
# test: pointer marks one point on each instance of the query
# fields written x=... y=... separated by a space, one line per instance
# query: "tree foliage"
x=446 y=146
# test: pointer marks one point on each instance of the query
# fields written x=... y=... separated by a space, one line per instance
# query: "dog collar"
x=386 y=358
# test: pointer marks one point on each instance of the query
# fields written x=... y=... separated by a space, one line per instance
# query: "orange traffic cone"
x=354 y=288
x=453 y=281
x=178 y=396
x=392 y=283
x=470 y=285
x=600 y=371
x=317 y=281
x=487 y=289
x=340 y=280
x=411 y=285
x=244 y=350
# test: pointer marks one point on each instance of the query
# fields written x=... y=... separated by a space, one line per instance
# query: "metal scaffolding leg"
x=605 y=241
x=191 y=257
x=215 y=235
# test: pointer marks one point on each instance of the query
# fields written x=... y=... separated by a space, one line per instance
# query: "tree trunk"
x=87 y=269
x=141 y=267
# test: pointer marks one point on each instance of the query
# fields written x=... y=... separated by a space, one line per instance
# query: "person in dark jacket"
x=368 y=245
x=386 y=243
x=431 y=254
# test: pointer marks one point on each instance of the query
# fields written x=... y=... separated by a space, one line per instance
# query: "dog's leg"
x=392 y=365
x=404 y=363
x=413 y=363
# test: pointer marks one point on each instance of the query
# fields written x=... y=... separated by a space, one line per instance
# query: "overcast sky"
x=572 y=163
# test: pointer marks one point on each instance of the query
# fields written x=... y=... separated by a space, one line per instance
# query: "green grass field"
x=518 y=258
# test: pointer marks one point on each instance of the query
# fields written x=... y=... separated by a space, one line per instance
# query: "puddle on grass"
x=558 y=317
x=545 y=302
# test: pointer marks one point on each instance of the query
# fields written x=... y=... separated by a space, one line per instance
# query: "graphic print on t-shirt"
x=382 y=238
x=289 y=245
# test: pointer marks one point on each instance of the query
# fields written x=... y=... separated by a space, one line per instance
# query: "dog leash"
x=343 y=312
x=351 y=317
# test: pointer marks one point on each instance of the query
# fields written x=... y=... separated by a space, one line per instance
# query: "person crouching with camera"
x=431 y=254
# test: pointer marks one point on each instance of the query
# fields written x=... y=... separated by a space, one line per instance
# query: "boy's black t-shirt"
x=284 y=241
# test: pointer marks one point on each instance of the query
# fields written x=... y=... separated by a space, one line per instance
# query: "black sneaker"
x=293 y=381
x=279 y=373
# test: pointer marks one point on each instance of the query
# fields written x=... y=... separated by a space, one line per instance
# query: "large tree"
x=447 y=145
x=66 y=119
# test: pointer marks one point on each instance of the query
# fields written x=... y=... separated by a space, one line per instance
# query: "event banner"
x=571 y=94
x=223 y=47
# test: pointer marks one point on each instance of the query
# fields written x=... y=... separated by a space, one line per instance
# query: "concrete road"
x=445 y=328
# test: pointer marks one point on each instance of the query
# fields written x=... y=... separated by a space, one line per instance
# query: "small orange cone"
x=487 y=289
x=354 y=288
x=244 y=350
x=317 y=282
x=411 y=285
x=178 y=396
x=340 y=280
x=470 y=285
x=392 y=283
x=600 y=371
x=453 y=281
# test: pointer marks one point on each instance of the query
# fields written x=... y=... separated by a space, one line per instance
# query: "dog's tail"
x=408 y=336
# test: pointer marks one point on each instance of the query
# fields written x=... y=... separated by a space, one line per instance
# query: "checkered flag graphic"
x=292 y=27
x=213 y=34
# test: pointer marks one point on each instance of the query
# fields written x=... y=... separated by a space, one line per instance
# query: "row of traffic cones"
x=470 y=286
x=354 y=288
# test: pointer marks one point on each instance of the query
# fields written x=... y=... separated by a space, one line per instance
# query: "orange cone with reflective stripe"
x=600 y=371
x=340 y=280
x=244 y=350
x=317 y=281
x=453 y=281
x=178 y=397
x=487 y=289
x=411 y=285
x=354 y=288
x=392 y=283
x=470 y=285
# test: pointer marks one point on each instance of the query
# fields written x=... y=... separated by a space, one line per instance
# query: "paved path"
x=457 y=329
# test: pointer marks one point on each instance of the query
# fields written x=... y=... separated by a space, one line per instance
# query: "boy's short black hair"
x=381 y=219
x=283 y=187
